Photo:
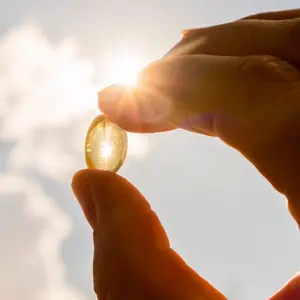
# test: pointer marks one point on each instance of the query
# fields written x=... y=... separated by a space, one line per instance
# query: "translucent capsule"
x=106 y=145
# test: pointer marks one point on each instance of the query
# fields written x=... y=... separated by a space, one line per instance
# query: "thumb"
x=133 y=258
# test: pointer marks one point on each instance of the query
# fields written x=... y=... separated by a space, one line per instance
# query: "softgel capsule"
x=106 y=145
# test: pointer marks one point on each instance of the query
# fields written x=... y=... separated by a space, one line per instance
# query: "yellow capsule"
x=105 y=145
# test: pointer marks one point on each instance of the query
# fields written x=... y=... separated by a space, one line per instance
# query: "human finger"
x=133 y=108
x=276 y=15
x=251 y=103
x=194 y=91
x=291 y=291
x=271 y=15
x=248 y=37
x=132 y=256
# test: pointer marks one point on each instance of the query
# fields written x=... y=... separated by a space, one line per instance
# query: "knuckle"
x=270 y=68
x=295 y=30
x=293 y=46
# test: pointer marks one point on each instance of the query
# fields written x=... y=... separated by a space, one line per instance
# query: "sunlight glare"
x=106 y=150
x=123 y=68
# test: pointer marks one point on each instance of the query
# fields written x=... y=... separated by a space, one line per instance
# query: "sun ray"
x=123 y=68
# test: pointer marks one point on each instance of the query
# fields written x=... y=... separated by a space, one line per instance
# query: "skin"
x=238 y=82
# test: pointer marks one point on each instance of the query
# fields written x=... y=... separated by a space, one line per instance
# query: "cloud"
x=41 y=85
x=33 y=229
x=47 y=86
x=48 y=97
x=46 y=83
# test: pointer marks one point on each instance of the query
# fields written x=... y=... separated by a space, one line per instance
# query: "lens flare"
x=122 y=68
x=106 y=150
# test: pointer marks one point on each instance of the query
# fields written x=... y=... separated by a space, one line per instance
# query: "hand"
x=132 y=258
x=239 y=82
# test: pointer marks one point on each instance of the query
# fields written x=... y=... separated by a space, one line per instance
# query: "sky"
x=54 y=56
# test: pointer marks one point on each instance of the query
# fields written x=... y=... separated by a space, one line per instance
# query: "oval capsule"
x=106 y=145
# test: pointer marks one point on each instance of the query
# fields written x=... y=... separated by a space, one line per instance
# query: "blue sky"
x=220 y=214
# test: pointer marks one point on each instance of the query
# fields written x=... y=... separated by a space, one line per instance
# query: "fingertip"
x=135 y=109
x=94 y=176
x=95 y=179
x=106 y=193
x=83 y=183
x=83 y=195
x=111 y=95
x=81 y=175
x=118 y=103
x=78 y=176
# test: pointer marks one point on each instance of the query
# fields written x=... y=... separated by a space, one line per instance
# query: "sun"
x=123 y=68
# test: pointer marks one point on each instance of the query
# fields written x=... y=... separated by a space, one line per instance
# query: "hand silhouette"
x=239 y=82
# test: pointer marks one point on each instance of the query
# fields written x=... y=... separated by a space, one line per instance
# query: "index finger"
x=199 y=93
x=275 y=15
x=272 y=15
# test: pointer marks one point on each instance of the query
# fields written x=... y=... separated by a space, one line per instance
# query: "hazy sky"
x=220 y=214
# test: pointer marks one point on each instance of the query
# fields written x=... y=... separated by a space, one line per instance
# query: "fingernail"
x=83 y=193
x=185 y=32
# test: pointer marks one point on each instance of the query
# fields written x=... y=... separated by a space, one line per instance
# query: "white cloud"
x=43 y=87
x=47 y=100
x=32 y=230
x=46 y=82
